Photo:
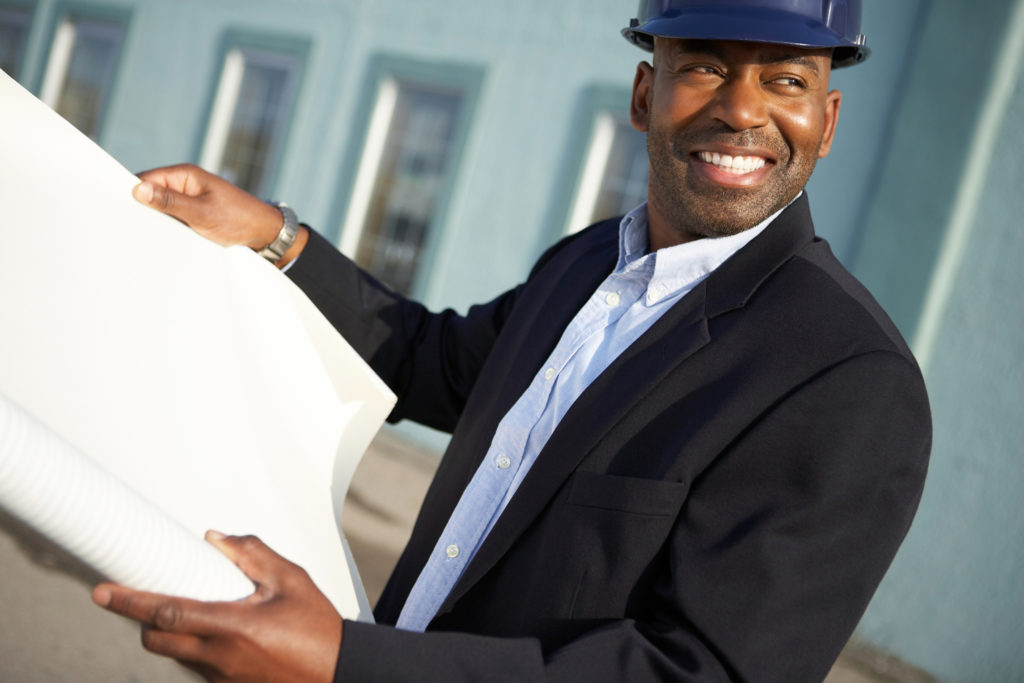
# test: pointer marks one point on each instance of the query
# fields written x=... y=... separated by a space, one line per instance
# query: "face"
x=734 y=130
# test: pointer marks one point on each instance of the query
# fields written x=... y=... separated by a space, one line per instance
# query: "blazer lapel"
x=681 y=332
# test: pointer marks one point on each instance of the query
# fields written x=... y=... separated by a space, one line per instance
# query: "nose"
x=740 y=103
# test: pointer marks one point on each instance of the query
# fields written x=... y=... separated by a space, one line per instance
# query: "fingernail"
x=101 y=596
x=212 y=535
x=144 y=192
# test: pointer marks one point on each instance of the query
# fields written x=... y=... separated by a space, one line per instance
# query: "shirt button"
x=503 y=462
x=549 y=374
x=612 y=299
x=452 y=551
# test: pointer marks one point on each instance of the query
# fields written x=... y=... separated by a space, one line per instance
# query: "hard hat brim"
x=759 y=26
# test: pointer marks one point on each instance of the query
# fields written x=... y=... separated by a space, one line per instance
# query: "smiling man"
x=686 y=448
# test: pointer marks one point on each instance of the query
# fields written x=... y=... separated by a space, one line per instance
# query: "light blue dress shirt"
x=640 y=290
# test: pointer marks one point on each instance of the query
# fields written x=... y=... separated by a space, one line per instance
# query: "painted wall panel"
x=953 y=600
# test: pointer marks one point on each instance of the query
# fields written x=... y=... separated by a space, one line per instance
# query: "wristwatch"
x=274 y=251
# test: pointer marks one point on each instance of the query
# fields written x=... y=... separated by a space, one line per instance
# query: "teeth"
x=731 y=164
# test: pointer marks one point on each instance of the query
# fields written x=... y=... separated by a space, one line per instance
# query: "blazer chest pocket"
x=651 y=497
x=598 y=543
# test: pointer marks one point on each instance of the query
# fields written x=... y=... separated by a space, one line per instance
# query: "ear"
x=832 y=101
x=640 y=104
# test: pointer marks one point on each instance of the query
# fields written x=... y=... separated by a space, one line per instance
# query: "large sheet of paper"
x=197 y=376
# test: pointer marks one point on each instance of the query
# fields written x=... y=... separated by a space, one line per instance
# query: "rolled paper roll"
x=68 y=498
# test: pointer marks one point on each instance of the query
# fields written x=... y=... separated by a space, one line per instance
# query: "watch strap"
x=275 y=251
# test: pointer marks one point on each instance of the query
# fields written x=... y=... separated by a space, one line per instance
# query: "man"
x=686 y=448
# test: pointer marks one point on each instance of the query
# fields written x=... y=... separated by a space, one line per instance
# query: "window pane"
x=13 y=34
x=624 y=184
x=91 y=49
x=409 y=182
x=258 y=119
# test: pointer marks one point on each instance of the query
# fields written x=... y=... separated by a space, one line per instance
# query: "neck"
x=661 y=234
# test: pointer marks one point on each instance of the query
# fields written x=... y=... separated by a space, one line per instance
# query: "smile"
x=736 y=165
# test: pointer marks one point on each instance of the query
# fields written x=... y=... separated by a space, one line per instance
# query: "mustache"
x=723 y=135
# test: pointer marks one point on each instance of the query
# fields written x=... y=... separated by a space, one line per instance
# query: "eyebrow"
x=714 y=49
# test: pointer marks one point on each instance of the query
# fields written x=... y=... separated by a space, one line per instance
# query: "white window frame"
x=63 y=45
x=594 y=166
x=369 y=165
x=391 y=79
x=225 y=103
x=390 y=89
x=593 y=171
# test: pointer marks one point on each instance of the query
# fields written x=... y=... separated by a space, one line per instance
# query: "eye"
x=788 y=82
x=704 y=69
x=701 y=73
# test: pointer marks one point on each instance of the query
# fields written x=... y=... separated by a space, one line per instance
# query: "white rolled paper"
x=74 y=502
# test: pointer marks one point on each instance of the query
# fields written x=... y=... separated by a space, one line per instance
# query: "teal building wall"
x=921 y=198
x=950 y=194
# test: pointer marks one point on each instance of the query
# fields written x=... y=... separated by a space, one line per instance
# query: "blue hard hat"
x=802 y=23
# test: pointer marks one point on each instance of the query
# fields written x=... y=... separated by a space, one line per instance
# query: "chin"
x=721 y=217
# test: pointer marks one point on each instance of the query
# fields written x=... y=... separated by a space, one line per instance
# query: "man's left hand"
x=285 y=631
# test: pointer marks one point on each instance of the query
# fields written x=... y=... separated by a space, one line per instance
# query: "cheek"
x=675 y=106
x=803 y=132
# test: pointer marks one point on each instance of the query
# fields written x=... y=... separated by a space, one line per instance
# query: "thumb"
x=256 y=560
x=175 y=204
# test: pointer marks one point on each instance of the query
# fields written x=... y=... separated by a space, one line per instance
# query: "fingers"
x=255 y=559
x=163 y=612
x=187 y=209
x=187 y=179
x=177 y=191
x=155 y=196
x=184 y=647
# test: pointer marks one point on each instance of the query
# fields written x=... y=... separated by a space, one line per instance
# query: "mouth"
x=733 y=170
x=733 y=165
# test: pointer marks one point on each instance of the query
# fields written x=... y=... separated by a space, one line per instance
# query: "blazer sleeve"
x=775 y=554
x=430 y=360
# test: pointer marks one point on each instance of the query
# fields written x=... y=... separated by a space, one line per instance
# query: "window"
x=80 y=72
x=614 y=175
x=14 y=24
x=401 y=182
x=251 y=108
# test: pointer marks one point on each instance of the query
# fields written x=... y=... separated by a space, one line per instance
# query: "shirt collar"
x=632 y=237
x=682 y=265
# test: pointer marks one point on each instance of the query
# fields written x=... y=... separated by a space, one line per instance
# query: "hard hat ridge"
x=802 y=23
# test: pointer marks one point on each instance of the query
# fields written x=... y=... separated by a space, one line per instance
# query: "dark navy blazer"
x=720 y=504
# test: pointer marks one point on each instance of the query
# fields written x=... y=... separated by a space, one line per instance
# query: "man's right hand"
x=214 y=208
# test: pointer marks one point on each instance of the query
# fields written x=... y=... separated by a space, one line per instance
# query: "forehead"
x=743 y=52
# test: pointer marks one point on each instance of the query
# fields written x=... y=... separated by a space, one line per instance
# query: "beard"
x=696 y=207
